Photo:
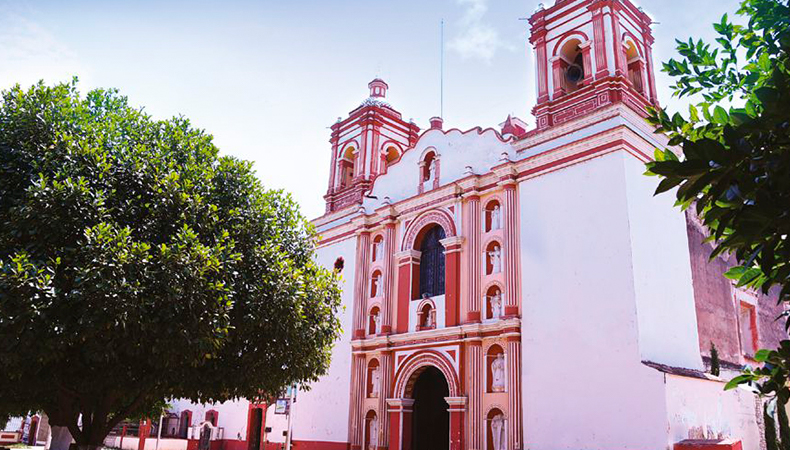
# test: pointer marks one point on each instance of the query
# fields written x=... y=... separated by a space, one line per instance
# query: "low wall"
x=699 y=408
x=132 y=443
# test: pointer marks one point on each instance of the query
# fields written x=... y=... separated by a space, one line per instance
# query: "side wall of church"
x=582 y=368
x=667 y=319
x=320 y=415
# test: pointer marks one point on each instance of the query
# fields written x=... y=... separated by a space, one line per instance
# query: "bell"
x=574 y=73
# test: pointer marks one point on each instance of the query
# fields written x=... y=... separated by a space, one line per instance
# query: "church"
x=520 y=288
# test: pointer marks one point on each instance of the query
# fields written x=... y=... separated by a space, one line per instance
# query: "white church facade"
x=509 y=289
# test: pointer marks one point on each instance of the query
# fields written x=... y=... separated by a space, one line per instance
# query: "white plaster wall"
x=232 y=415
x=321 y=414
x=667 y=317
x=132 y=443
x=695 y=405
x=583 y=383
x=456 y=150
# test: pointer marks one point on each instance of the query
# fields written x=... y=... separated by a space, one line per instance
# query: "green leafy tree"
x=136 y=265
x=734 y=169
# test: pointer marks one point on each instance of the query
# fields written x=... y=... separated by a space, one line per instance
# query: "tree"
x=136 y=265
x=734 y=169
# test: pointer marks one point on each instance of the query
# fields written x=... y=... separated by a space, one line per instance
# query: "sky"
x=268 y=78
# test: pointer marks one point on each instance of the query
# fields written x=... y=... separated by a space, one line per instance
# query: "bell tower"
x=370 y=139
x=590 y=54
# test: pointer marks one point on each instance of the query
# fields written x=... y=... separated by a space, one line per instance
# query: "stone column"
x=400 y=411
x=511 y=264
x=389 y=247
x=599 y=41
x=542 y=70
x=620 y=68
x=475 y=371
x=408 y=265
x=558 y=76
x=474 y=229
x=452 y=279
x=385 y=367
x=514 y=392
x=357 y=419
x=457 y=411
x=587 y=58
x=361 y=283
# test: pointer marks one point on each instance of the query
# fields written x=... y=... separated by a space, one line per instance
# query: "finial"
x=378 y=88
x=436 y=123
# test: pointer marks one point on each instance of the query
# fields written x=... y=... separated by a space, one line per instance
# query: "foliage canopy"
x=136 y=265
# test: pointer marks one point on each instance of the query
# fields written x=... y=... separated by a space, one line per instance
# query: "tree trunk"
x=61 y=438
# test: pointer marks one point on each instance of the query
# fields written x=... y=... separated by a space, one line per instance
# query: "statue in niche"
x=496 y=259
x=496 y=305
x=498 y=373
x=377 y=285
x=374 y=433
x=375 y=379
x=428 y=318
x=432 y=170
x=496 y=218
x=497 y=431
x=376 y=323
x=378 y=248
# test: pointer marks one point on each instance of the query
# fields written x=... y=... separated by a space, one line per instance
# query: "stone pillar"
x=385 y=367
x=400 y=411
x=457 y=412
x=556 y=70
x=514 y=392
x=586 y=48
x=542 y=69
x=651 y=76
x=474 y=229
x=476 y=374
x=620 y=68
x=389 y=247
x=452 y=279
x=357 y=420
x=361 y=283
x=408 y=279
x=599 y=42
x=511 y=264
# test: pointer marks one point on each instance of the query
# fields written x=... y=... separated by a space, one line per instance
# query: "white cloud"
x=476 y=38
x=29 y=52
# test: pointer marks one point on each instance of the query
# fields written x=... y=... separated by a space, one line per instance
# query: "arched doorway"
x=431 y=419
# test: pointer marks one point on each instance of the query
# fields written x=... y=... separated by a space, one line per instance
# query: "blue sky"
x=267 y=78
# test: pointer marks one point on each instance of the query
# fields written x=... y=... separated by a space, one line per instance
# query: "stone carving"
x=496 y=218
x=498 y=374
x=374 y=433
x=496 y=259
x=497 y=431
x=378 y=248
x=376 y=323
x=376 y=285
x=375 y=379
x=496 y=305
x=432 y=170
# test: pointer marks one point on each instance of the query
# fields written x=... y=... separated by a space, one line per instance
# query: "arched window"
x=635 y=66
x=391 y=155
x=348 y=166
x=432 y=263
x=572 y=65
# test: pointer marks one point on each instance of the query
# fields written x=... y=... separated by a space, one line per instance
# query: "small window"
x=748 y=328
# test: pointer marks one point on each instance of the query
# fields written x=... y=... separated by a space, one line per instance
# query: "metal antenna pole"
x=441 y=70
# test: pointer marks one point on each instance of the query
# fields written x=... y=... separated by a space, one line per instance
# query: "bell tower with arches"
x=364 y=145
x=590 y=54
